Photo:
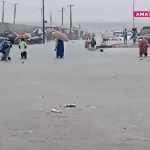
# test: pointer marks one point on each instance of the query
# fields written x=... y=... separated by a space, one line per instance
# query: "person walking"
x=23 y=46
x=134 y=36
x=143 y=46
x=125 y=36
x=59 y=48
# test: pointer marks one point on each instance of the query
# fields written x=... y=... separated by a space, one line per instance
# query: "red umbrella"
x=60 y=35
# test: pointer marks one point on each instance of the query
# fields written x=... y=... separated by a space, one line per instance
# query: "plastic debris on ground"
x=40 y=96
x=47 y=112
x=91 y=106
x=30 y=131
x=70 y=106
x=56 y=110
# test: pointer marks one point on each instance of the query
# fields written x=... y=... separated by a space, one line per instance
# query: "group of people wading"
x=6 y=45
x=88 y=42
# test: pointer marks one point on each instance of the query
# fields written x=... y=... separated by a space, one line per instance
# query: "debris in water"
x=25 y=131
x=47 y=112
x=58 y=110
x=70 y=105
x=91 y=106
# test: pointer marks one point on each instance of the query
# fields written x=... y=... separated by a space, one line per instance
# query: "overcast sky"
x=84 y=10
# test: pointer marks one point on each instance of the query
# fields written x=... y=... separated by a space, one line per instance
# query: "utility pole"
x=3 y=11
x=41 y=16
x=14 y=12
x=133 y=15
x=50 y=19
x=79 y=34
x=62 y=14
x=43 y=24
x=70 y=20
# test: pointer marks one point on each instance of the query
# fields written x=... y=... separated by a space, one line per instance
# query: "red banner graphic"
x=141 y=13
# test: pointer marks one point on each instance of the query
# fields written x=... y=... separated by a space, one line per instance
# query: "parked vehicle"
x=129 y=36
x=36 y=36
x=112 y=35
x=9 y=34
x=118 y=33
x=35 y=39
x=145 y=32
x=146 y=28
x=109 y=36
x=119 y=37
x=14 y=37
x=20 y=36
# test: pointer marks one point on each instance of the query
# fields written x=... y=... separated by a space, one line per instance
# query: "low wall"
x=16 y=27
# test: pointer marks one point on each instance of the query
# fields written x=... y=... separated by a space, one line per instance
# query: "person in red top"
x=87 y=43
x=143 y=46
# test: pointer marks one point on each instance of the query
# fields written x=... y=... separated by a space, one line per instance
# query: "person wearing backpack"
x=5 y=49
x=23 y=47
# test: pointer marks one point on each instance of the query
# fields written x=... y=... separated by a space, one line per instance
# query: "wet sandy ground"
x=110 y=89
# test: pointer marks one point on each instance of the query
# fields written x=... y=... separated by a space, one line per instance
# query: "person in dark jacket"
x=93 y=43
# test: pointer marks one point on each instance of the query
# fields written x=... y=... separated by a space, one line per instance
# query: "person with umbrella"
x=60 y=38
x=143 y=46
